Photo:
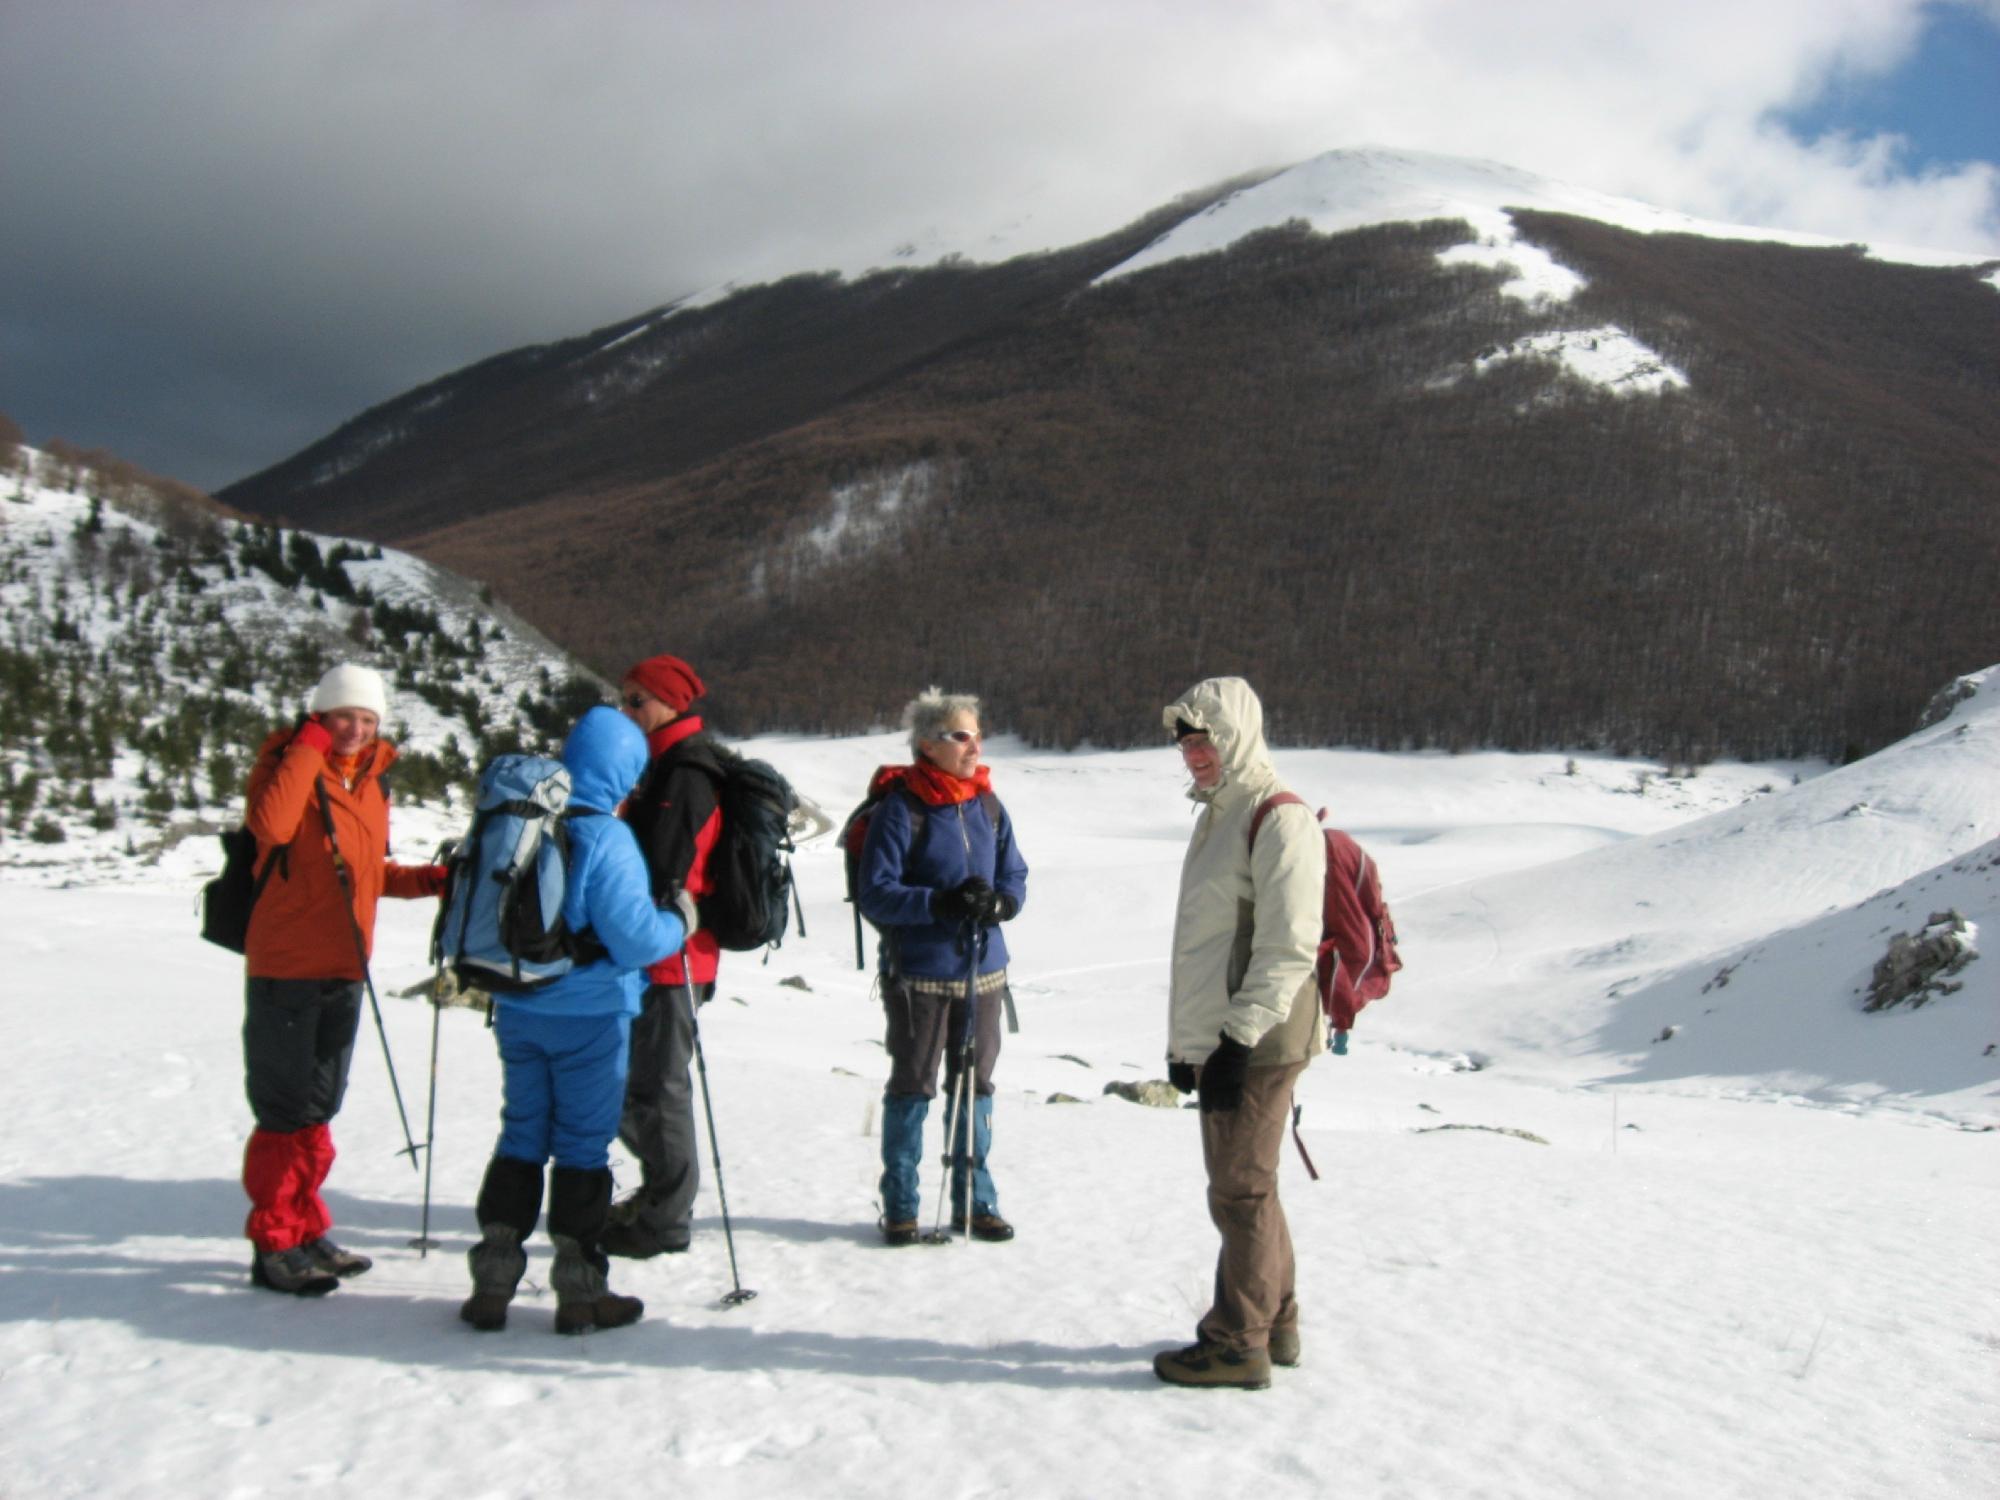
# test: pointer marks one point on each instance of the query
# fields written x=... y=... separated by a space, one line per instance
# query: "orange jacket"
x=303 y=925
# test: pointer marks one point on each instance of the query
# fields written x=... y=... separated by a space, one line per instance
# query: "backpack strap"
x=1276 y=799
x=918 y=813
x=281 y=855
x=584 y=946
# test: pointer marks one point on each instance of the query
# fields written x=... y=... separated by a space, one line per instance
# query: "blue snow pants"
x=563 y=1087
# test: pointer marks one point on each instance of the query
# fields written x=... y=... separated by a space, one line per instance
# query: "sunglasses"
x=958 y=736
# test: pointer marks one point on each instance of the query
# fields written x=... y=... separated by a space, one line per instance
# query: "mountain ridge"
x=1435 y=445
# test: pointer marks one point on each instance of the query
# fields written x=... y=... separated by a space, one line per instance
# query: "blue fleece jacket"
x=608 y=891
x=895 y=882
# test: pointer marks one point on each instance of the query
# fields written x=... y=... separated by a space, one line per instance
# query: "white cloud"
x=385 y=190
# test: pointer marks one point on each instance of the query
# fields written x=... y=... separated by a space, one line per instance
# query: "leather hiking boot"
x=1213 y=1365
x=485 y=1311
x=632 y=1240
x=989 y=1227
x=1285 y=1346
x=290 y=1271
x=583 y=1300
x=497 y=1263
x=899 y=1231
x=329 y=1257
x=607 y=1311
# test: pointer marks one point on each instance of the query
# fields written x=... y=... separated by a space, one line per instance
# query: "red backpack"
x=1357 y=950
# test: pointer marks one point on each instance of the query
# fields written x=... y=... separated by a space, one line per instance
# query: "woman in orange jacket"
x=321 y=816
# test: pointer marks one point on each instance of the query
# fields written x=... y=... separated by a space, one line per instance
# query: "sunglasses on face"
x=958 y=736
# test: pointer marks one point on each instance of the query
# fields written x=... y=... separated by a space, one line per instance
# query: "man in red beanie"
x=677 y=818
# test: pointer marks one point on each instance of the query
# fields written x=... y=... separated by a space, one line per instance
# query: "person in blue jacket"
x=564 y=1051
x=939 y=873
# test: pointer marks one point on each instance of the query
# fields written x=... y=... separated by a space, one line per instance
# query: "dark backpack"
x=500 y=925
x=751 y=893
x=1357 y=950
x=227 y=900
x=854 y=834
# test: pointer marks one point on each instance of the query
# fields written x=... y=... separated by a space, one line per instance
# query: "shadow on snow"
x=64 y=1255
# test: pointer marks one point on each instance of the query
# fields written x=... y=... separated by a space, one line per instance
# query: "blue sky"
x=232 y=225
x=1945 y=100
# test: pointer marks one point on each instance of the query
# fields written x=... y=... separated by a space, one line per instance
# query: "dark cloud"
x=231 y=226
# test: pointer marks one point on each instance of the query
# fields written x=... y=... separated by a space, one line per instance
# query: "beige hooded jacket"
x=1247 y=928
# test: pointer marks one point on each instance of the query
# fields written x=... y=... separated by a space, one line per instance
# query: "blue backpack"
x=500 y=926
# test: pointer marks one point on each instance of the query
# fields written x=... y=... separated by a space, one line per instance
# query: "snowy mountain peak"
x=1367 y=185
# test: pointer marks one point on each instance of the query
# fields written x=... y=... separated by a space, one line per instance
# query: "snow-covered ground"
x=1754 y=1258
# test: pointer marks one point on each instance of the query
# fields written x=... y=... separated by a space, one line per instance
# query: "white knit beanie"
x=351 y=686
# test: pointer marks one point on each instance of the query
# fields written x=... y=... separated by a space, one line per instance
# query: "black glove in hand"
x=964 y=902
x=998 y=907
x=1181 y=1076
x=1222 y=1077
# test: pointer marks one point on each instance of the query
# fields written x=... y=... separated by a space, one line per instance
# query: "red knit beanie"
x=667 y=678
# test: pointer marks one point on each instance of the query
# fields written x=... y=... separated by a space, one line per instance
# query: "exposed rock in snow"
x=1918 y=966
x=1156 y=1092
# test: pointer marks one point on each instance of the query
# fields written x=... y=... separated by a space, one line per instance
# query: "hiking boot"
x=497 y=1263
x=899 y=1231
x=608 y=1310
x=291 y=1271
x=985 y=1227
x=631 y=1240
x=583 y=1300
x=1285 y=1346
x=1214 y=1365
x=329 y=1257
x=485 y=1311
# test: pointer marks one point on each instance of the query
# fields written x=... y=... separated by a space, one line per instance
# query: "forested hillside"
x=151 y=642
x=1360 y=468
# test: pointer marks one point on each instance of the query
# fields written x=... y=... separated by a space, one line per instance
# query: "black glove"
x=1000 y=907
x=1181 y=1076
x=1222 y=1077
x=964 y=902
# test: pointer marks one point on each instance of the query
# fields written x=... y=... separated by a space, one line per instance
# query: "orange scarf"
x=936 y=787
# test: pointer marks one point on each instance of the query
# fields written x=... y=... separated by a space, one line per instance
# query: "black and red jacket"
x=676 y=817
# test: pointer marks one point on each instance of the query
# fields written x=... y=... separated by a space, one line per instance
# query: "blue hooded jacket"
x=608 y=890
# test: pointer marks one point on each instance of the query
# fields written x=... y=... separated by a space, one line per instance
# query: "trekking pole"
x=968 y=1059
x=738 y=1296
x=367 y=977
x=954 y=1107
x=961 y=1101
x=423 y=1244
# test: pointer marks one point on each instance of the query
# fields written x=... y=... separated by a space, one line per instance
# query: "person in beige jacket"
x=1243 y=1021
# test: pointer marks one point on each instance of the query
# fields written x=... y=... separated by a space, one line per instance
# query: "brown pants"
x=1255 y=1272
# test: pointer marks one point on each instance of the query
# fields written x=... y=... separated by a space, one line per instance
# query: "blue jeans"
x=903 y=1148
x=563 y=1086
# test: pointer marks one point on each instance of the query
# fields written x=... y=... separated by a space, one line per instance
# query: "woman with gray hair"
x=939 y=873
